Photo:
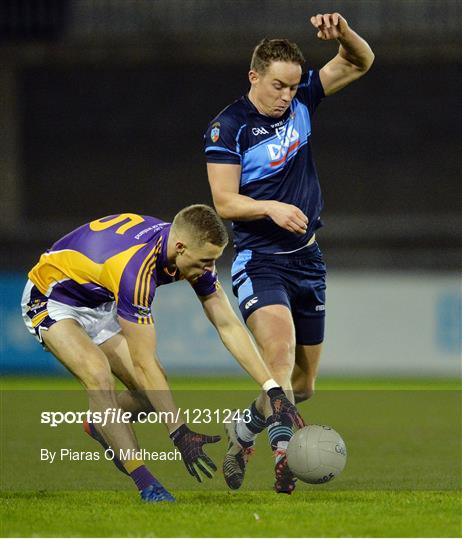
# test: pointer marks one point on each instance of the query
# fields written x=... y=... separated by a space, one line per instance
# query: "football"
x=316 y=454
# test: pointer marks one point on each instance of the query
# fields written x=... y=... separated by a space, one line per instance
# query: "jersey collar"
x=268 y=119
x=163 y=260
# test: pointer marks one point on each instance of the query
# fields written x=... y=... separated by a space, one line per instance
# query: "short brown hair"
x=275 y=50
x=203 y=223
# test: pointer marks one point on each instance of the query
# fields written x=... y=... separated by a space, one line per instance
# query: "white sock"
x=244 y=433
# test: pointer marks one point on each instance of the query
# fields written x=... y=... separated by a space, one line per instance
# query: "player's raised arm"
x=354 y=57
x=230 y=204
x=237 y=340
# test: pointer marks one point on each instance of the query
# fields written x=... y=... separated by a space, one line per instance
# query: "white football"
x=316 y=454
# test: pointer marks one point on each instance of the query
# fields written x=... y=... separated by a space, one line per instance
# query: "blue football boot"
x=156 y=493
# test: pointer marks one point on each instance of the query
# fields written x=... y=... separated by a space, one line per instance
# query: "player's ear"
x=180 y=247
x=253 y=76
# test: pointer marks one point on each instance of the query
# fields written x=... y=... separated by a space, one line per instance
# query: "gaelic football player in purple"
x=88 y=301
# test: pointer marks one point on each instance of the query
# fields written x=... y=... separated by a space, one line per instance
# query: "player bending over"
x=262 y=175
x=88 y=301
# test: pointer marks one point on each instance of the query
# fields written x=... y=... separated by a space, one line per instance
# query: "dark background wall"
x=106 y=112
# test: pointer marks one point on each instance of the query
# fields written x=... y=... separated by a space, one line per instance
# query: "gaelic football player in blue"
x=262 y=176
x=88 y=301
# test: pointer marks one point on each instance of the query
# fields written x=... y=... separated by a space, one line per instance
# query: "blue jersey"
x=276 y=164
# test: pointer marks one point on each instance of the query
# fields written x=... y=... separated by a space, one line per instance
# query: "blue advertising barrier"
x=187 y=342
x=367 y=331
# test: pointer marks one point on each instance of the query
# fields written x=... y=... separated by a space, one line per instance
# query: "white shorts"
x=100 y=323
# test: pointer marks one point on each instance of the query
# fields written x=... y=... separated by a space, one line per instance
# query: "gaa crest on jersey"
x=215 y=133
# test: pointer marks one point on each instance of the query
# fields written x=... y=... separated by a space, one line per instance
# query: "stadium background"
x=103 y=106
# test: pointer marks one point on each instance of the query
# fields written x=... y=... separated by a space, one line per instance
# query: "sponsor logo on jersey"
x=215 y=133
x=321 y=307
x=290 y=141
x=251 y=302
x=154 y=228
x=282 y=122
x=143 y=311
x=37 y=304
x=260 y=131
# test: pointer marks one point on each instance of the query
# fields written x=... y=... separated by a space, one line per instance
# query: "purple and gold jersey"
x=276 y=164
x=121 y=258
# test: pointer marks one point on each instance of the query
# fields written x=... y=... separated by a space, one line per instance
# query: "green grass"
x=245 y=383
x=403 y=477
x=221 y=514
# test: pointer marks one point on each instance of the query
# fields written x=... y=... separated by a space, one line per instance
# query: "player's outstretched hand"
x=282 y=407
x=329 y=25
x=190 y=445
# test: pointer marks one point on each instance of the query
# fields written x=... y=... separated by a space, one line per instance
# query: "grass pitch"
x=223 y=514
x=403 y=476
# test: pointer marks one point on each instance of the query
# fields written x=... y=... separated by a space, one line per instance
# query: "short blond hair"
x=203 y=223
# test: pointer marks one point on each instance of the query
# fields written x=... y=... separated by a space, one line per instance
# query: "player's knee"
x=303 y=395
x=281 y=369
x=98 y=379
x=279 y=356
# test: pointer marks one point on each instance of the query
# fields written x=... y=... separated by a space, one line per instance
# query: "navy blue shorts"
x=296 y=280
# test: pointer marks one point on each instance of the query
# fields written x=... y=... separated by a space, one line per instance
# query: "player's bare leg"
x=274 y=332
x=130 y=400
x=69 y=343
x=307 y=358
x=273 y=329
x=117 y=352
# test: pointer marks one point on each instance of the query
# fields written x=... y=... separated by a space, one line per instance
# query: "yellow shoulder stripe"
x=143 y=277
